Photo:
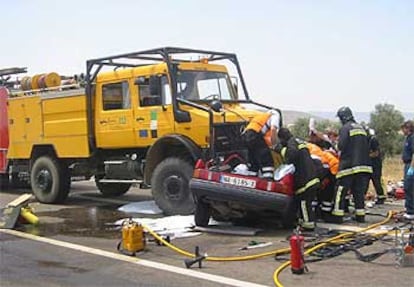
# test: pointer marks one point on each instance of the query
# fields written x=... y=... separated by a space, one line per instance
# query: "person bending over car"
x=260 y=135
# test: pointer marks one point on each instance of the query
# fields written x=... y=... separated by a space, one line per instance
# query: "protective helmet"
x=345 y=114
x=284 y=135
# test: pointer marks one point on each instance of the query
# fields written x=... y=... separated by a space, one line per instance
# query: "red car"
x=225 y=195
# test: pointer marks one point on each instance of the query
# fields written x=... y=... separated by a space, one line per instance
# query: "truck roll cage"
x=170 y=56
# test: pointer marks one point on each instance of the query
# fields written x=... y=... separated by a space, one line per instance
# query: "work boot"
x=308 y=226
x=380 y=201
x=360 y=218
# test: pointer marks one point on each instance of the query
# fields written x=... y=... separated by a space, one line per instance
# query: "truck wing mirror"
x=216 y=106
x=155 y=85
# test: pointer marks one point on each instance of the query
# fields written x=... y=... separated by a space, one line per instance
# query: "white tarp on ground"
x=142 y=207
x=178 y=226
x=175 y=226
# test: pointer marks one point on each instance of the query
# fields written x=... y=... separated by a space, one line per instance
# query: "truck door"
x=153 y=114
x=114 y=115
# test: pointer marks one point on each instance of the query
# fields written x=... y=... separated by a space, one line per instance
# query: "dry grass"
x=392 y=170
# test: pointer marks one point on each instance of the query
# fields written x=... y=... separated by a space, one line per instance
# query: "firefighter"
x=376 y=163
x=354 y=166
x=260 y=136
x=306 y=182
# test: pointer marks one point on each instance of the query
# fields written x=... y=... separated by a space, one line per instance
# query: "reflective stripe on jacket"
x=354 y=147
x=295 y=152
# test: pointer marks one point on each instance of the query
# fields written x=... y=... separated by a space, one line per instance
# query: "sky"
x=295 y=55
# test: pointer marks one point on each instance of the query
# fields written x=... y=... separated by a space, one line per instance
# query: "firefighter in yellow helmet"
x=260 y=136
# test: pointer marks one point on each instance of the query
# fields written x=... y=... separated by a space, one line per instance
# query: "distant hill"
x=289 y=117
x=359 y=116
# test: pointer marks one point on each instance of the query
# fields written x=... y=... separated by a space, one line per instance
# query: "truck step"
x=120 y=181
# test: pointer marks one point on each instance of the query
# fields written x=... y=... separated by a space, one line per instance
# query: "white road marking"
x=134 y=260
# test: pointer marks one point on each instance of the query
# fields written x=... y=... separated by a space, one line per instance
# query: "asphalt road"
x=75 y=245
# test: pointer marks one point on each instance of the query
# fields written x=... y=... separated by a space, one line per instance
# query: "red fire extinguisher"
x=297 y=260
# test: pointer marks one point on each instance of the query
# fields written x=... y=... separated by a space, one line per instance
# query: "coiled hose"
x=339 y=237
x=344 y=237
x=215 y=258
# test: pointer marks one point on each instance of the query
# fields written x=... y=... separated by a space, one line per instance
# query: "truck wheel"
x=112 y=189
x=50 y=180
x=202 y=213
x=170 y=186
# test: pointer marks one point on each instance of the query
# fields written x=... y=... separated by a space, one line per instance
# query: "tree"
x=386 y=121
x=300 y=128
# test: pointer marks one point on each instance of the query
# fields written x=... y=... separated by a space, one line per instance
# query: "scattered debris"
x=254 y=244
x=395 y=189
x=229 y=229
x=141 y=207
x=17 y=211
x=176 y=226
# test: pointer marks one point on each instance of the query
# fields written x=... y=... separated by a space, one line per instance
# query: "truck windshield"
x=204 y=85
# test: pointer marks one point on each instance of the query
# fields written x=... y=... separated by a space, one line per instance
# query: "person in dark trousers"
x=306 y=181
x=260 y=136
x=376 y=163
x=354 y=167
x=407 y=158
x=326 y=165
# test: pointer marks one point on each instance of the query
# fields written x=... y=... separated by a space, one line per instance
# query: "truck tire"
x=50 y=180
x=170 y=186
x=112 y=189
x=202 y=214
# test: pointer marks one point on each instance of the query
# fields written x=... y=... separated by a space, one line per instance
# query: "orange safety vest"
x=325 y=156
x=257 y=123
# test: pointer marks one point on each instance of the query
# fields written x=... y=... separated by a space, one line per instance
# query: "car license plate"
x=238 y=181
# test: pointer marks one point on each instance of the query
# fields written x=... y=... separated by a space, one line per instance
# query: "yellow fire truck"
x=137 y=118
